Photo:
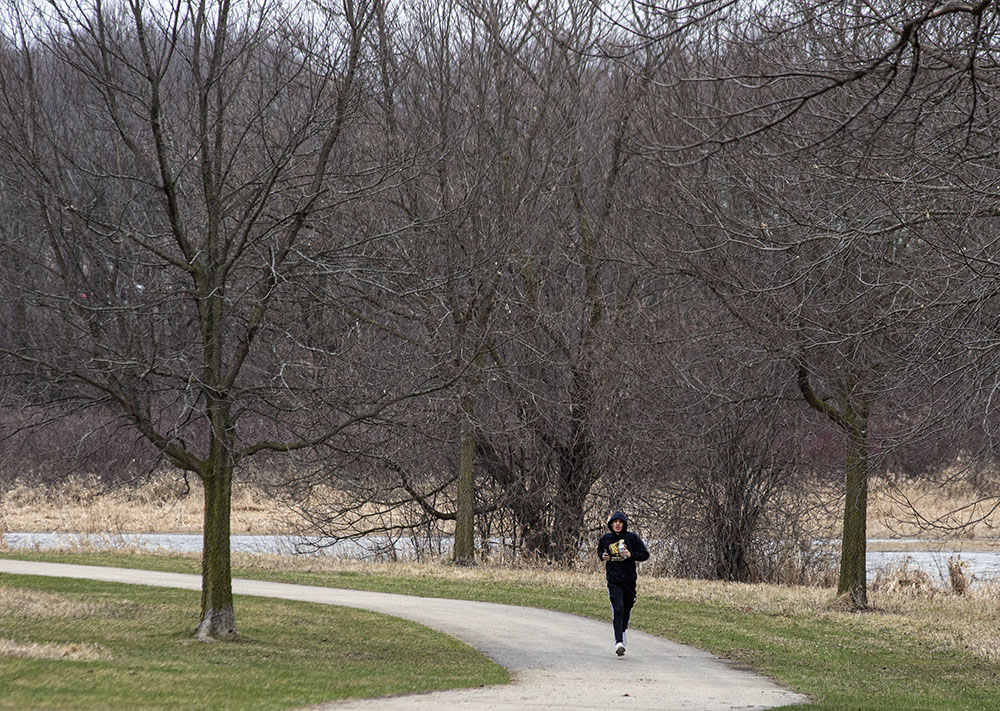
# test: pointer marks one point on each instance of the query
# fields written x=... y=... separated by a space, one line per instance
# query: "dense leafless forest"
x=496 y=268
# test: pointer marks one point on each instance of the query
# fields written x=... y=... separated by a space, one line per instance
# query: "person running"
x=620 y=549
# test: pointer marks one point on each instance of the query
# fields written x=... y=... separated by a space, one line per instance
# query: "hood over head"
x=621 y=517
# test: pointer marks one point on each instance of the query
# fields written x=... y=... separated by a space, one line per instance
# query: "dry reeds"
x=920 y=507
x=958 y=575
x=166 y=503
x=904 y=579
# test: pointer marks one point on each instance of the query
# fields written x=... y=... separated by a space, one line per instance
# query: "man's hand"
x=606 y=556
x=624 y=552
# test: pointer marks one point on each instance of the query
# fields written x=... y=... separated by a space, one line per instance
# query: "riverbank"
x=927 y=563
x=165 y=512
x=900 y=514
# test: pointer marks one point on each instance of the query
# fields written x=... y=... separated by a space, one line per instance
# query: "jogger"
x=620 y=549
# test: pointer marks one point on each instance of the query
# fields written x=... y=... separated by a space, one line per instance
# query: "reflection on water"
x=982 y=565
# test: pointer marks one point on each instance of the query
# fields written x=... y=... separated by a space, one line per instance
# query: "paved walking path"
x=557 y=661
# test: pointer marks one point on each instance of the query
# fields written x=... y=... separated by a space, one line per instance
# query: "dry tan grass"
x=72 y=651
x=529 y=575
x=24 y=603
x=930 y=510
x=21 y=602
x=163 y=504
x=970 y=621
x=166 y=504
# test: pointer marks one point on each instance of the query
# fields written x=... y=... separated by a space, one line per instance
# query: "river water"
x=191 y=543
x=982 y=565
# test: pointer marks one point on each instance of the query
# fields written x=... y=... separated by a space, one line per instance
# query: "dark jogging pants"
x=622 y=598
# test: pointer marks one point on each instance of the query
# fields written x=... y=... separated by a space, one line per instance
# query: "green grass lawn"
x=130 y=647
x=908 y=655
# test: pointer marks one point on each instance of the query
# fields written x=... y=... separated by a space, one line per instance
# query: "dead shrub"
x=958 y=575
x=904 y=578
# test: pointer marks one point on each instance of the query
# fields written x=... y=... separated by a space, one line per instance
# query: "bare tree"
x=545 y=445
x=832 y=130
x=515 y=206
x=181 y=172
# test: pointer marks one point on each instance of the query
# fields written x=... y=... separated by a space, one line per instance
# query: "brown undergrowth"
x=166 y=503
x=932 y=509
x=170 y=503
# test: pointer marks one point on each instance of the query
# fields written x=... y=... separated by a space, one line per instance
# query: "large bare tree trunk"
x=854 y=545
x=853 y=580
x=465 y=518
x=570 y=507
x=218 y=619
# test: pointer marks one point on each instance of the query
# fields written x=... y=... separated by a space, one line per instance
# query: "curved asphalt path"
x=556 y=660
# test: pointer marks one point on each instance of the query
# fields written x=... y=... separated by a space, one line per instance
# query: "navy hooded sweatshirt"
x=619 y=569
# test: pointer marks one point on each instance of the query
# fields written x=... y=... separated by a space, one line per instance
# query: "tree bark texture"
x=853 y=579
x=218 y=619
x=465 y=519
